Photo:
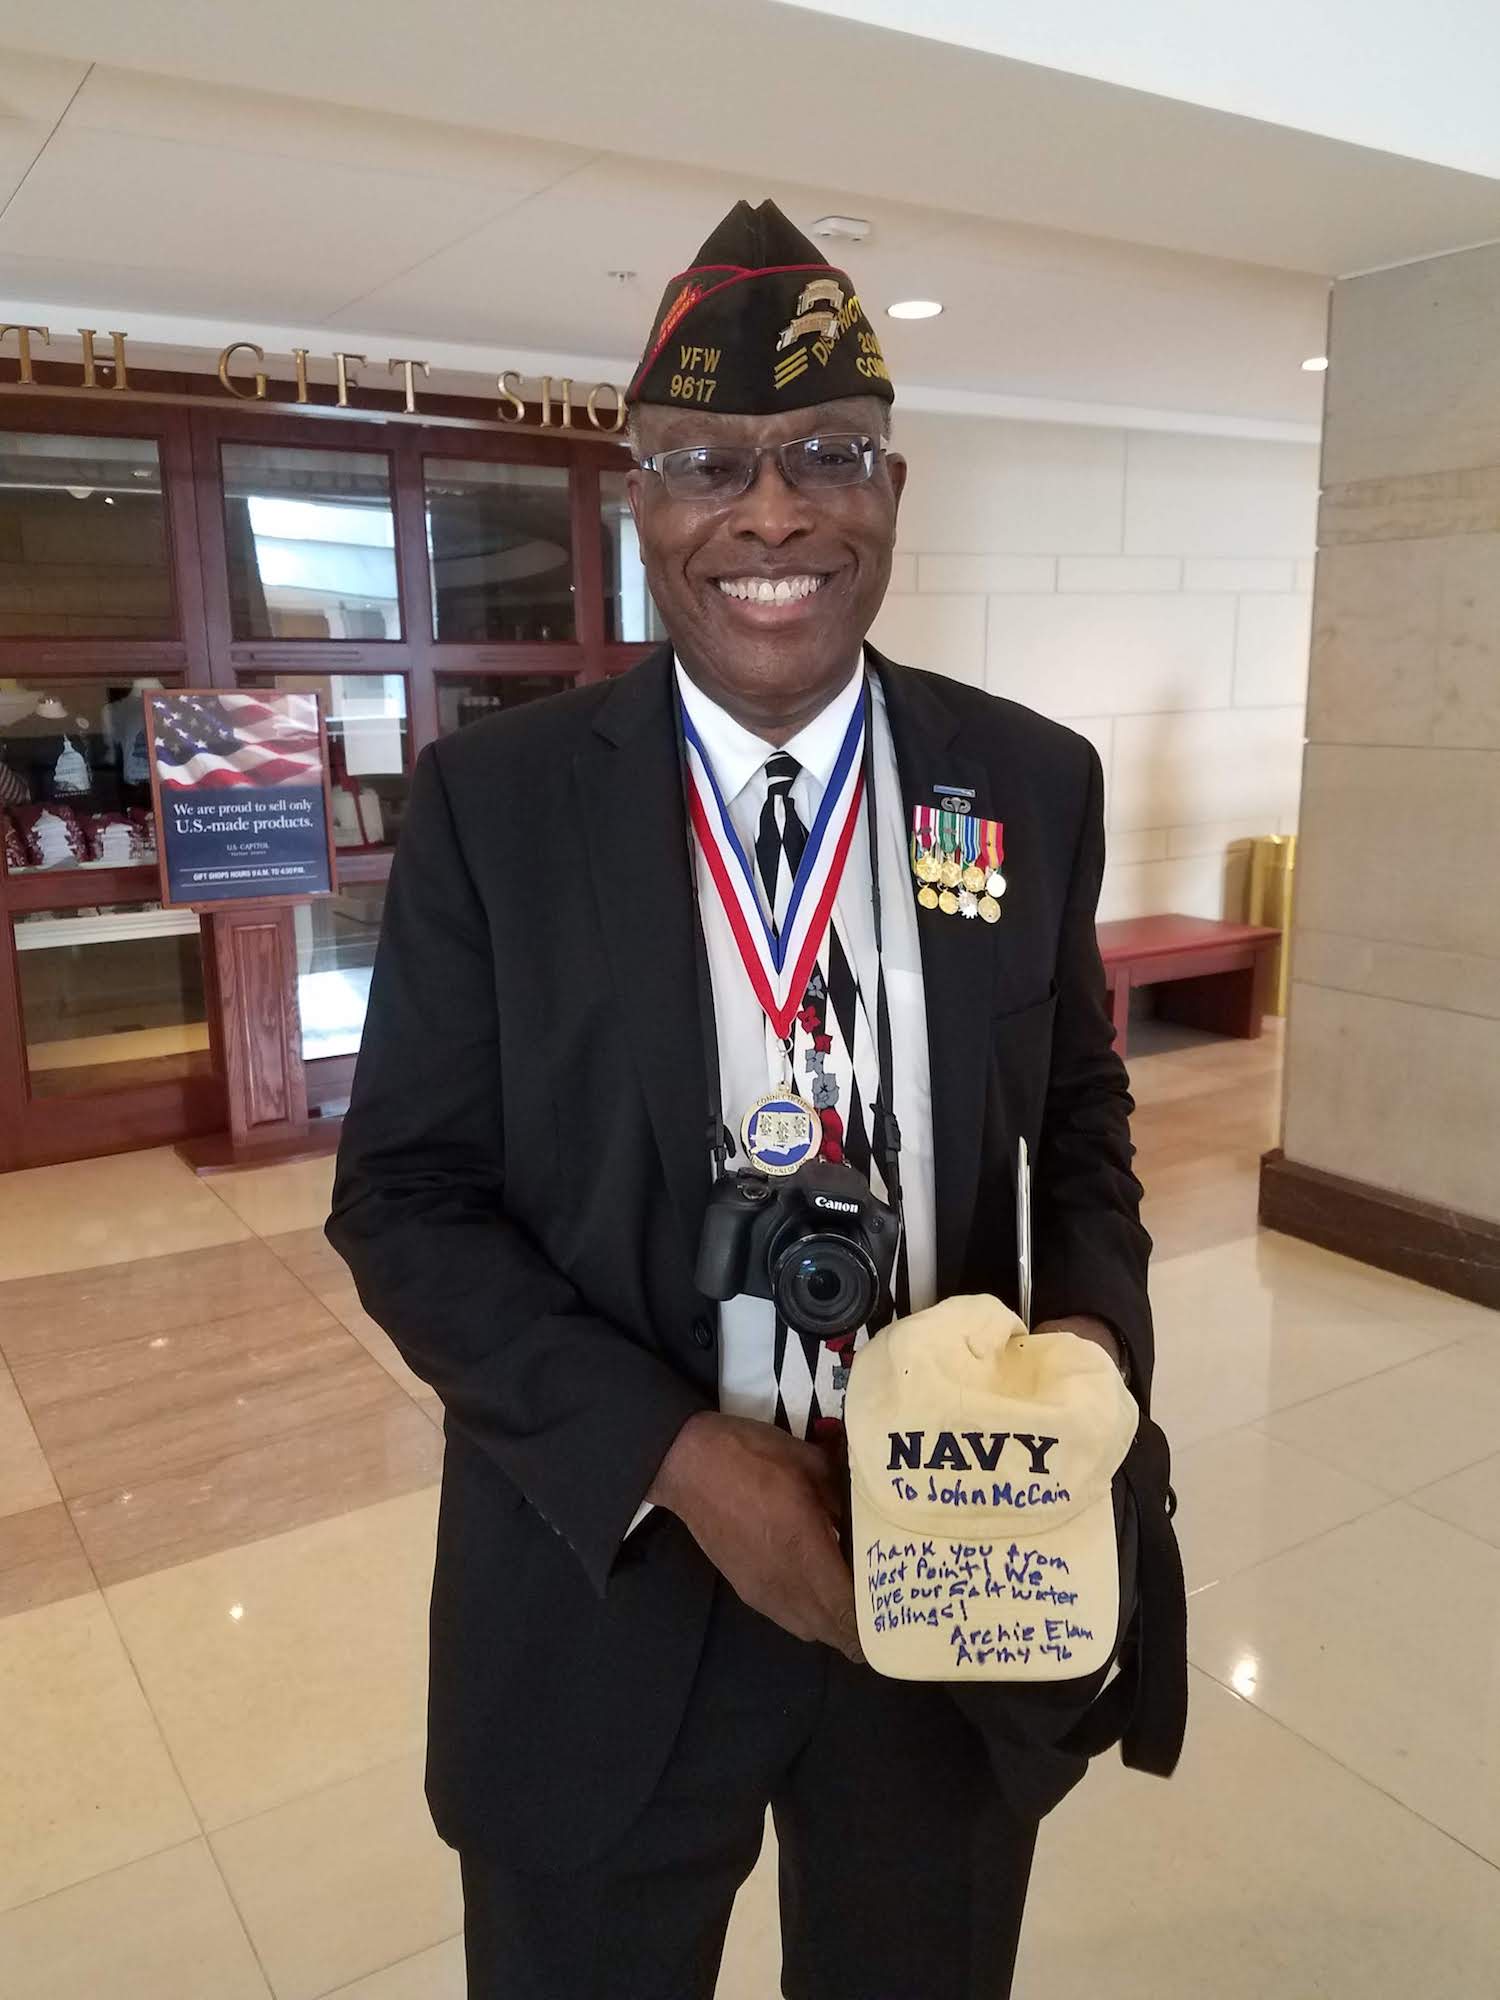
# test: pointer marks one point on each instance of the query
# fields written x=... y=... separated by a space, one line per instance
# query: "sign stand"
x=251 y=959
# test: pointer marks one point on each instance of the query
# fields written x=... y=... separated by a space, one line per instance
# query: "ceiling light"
x=914 y=309
x=1315 y=364
x=841 y=228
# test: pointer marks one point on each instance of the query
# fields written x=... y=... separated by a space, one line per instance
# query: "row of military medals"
x=956 y=858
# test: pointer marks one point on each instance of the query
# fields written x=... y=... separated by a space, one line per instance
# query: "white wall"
x=1152 y=591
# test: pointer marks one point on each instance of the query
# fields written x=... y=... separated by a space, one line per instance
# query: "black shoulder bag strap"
x=1144 y=1708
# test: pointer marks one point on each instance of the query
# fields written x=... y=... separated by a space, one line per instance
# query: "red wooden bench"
x=1211 y=975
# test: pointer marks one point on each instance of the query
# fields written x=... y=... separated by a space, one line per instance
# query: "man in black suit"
x=643 y=1628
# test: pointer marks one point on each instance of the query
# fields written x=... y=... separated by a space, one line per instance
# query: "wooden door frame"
x=38 y=1130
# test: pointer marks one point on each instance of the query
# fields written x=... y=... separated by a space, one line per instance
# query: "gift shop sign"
x=564 y=403
x=239 y=782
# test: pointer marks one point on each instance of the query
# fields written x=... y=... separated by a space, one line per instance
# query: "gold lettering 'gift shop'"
x=241 y=372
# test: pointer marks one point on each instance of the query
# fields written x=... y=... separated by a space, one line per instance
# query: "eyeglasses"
x=722 y=472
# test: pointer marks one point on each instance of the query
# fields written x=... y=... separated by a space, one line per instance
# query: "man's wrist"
x=1097 y=1331
x=674 y=1476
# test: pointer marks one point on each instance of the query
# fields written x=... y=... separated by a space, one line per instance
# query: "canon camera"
x=819 y=1243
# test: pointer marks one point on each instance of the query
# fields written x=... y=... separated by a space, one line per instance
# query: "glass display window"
x=466 y=698
x=83 y=538
x=336 y=939
x=75 y=784
x=369 y=750
x=500 y=548
x=311 y=543
x=301 y=574
x=630 y=613
x=110 y=996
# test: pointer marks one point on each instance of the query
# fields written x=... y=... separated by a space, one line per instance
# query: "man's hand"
x=1089 y=1328
x=765 y=1510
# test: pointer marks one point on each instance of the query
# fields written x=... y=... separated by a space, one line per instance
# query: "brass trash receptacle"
x=1273 y=863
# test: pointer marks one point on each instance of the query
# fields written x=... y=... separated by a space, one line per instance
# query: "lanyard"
x=778 y=962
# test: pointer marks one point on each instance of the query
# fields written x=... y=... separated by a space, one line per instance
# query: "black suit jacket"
x=522 y=1180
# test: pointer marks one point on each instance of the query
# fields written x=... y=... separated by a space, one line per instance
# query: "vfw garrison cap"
x=981 y=1459
x=759 y=322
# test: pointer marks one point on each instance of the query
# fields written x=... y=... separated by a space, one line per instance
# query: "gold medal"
x=948 y=903
x=952 y=875
x=928 y=897
x=973 y=878
x=989 y=909
x=927 y=868
x=780 y=1132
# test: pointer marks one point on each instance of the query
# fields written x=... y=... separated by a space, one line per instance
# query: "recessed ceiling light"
x=1315 y=364
x=914 y=309
x=841 y=228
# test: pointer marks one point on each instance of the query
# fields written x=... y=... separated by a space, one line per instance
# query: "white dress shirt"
x=750 y=1057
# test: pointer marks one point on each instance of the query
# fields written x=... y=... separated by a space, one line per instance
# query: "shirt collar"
x=736 y=754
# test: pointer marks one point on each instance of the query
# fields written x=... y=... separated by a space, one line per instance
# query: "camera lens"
x=825 y=1285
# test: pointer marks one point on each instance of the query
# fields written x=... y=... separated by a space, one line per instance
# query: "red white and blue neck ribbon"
x=778 y=965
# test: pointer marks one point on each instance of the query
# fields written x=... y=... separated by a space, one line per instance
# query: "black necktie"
x=782 y=837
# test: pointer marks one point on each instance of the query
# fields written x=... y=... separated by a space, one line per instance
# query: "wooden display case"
x=255 y=1081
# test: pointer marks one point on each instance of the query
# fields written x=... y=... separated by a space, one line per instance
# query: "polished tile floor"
x=217 y=1506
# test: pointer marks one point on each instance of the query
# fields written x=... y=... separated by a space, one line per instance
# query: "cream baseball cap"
x=981 y=1459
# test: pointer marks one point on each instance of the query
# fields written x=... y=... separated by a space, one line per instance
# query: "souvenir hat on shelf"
x=981 y=1460
x=759 y=322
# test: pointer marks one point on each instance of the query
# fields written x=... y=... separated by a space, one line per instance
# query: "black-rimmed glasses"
x=721 y=472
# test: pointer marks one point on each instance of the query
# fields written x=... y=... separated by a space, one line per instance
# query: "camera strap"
x=885 y=1140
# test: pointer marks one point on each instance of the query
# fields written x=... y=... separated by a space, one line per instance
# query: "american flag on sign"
x=208 y=740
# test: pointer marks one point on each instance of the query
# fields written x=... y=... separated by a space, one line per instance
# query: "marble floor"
x=217 y=1504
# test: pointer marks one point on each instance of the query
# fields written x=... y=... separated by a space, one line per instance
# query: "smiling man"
x=711 y=1011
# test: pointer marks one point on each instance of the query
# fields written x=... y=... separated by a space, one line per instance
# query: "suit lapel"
x=629 y=796
x=958 y=960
